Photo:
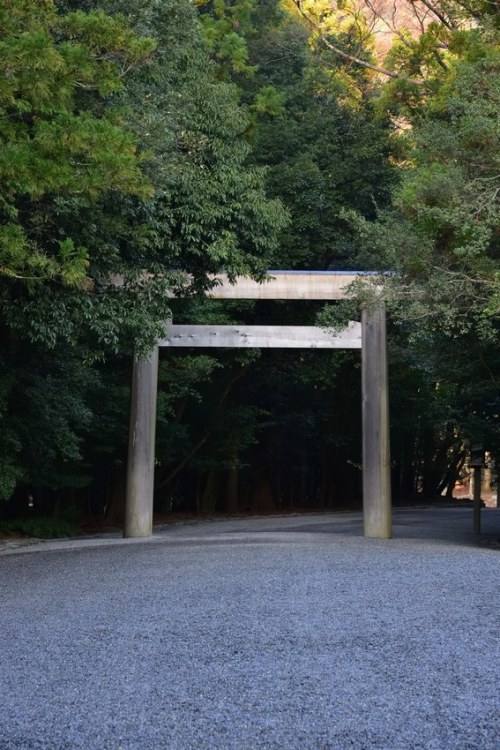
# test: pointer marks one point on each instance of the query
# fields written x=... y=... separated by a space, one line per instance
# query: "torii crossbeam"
x=370 y=336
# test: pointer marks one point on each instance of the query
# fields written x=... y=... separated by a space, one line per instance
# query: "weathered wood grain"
x=377 y=511
x=326 y=285
x=141 y=450
x=263 y=337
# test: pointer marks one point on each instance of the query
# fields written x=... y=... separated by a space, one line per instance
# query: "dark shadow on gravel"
x=449 y=525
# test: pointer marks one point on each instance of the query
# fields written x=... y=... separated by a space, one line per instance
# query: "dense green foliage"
x=147 y=146
x=441 y=238
x=163 y=190
x=52 y=147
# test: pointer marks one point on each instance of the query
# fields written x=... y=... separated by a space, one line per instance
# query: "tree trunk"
x=115 y=512
x=208 y=500
x=232 y=489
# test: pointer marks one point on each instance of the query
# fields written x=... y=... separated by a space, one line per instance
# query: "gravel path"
x=290 y=633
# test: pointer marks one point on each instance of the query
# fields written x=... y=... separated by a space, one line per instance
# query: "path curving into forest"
x=293 y=633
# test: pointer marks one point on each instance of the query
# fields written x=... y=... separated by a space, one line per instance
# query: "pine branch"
x=351 y=58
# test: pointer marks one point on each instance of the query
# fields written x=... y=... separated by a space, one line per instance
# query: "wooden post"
x=476 y=506
x=141 y=449
x=377 y=513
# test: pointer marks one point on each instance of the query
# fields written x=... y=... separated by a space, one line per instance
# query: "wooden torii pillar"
x=370 y=336
x=141 y=447
x=377 y=502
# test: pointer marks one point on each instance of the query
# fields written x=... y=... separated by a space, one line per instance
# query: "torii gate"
x=369 y=336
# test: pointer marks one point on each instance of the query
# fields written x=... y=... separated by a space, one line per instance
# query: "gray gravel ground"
x=265 y=633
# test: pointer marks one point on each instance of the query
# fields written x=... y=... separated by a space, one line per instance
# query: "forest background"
x=142 y=140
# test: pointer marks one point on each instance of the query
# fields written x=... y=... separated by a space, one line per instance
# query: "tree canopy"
x=60 y=138
x=124 y=160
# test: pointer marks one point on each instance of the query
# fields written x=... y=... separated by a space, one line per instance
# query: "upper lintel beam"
x=325 y=285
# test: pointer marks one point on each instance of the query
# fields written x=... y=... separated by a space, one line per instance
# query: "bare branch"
x=391 y=23
x=347 y=56
x=448 y=22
